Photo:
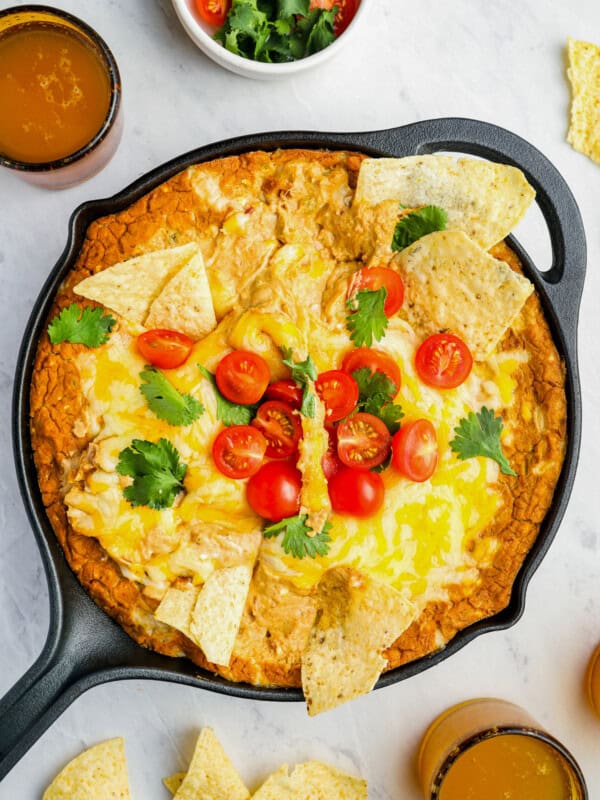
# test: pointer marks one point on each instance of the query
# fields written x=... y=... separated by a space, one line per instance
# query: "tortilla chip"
x=451 y=284
x=358 y=619
x=481 y=198
x=173 y=782
x=176 y=607
x=584 y=74
x=99 y=773
x=211 y=775
x=317 y=781
x=185 y=303
x=218 y=612
x=278 y=786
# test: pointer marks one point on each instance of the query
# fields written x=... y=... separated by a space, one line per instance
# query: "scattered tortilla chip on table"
x=211 y=775
x=277 y=786
x=451 y=284
x=358 y=618
x=483 y=199
x=99 y=773
x=173 y=782
x=317 y=781
x=584 y=74
x=176 y=607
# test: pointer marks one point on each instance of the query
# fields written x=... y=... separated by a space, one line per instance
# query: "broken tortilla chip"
x=358 y=619
x=483 y=199
x=451 y=284
x=317 y=781
x=211 y=775
x=584 y=74
x=176 y=607
x=218 y=612
x=173 y=782
x=99 y=773
x=277 y=786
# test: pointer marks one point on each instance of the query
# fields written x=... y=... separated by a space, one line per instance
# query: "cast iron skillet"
x=84 y=646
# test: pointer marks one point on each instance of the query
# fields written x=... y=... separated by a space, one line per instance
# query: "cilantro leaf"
x=376 y=394
x=479 y=435
x=418 y=223
x=165 y=401
x=291 y=8
x=321 y=33
x=156 y=470
x=89 y=326
x=366 y=319
x=229 y=413
x=297 y=540
x=303 y=372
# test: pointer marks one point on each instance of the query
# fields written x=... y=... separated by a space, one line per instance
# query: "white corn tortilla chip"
x=176 y=607
x=358 y=619
x=481 y=198
x=211 y=775
x=317 y=781
x=277 y=786
x=218 y=612
x=185 y=303
x=99 y=773
x=451 y=284
x=584 y=74
x=173 y=782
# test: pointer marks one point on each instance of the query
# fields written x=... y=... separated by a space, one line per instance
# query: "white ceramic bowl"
x=202 y=35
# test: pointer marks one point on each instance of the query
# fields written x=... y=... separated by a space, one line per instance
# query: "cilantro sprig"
x=417 y=224
x=366 y=320
x=89 y=326
x=299 y=540
x=229 y=413
x=166 y=401
x=156 y=470
x=376 y=394
x=303 y=372
x=479 y=435
x=276 y=30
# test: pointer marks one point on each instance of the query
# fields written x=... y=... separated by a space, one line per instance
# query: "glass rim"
x=114 y=76
x=501 y=730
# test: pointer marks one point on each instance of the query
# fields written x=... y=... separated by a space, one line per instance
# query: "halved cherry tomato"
x=375 y=360
x=339 y=392
x=415 y=450
x=444 y=361
x=357 y=492
x=346 y=11
x=213 y=11
x=274 y=492
x=363 y=441
x=238 y=451
x=163 y=348
x=242 y=376
x=287 y=391
x=374 y=278
x=281 y=427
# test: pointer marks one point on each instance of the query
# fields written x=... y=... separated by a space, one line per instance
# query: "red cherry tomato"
x=339 y=392
x=242 y=377
x=375 y=360
x=415 y=450
x=287 y=391
x=163 y=348
x=374 y=278
x=274 y=492
x=238 y=451
x=356 y=492
x=363 y=441
x=346 y=11
x=444 y=361
x=281 y=427
x=213 y=11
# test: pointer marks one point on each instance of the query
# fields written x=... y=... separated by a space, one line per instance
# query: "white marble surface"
x=499 y=61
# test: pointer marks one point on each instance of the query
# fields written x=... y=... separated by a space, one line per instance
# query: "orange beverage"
x=592 y=681
x=492 y=750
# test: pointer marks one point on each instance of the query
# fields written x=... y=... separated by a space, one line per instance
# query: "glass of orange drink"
x=490 y=749
x=60 y=97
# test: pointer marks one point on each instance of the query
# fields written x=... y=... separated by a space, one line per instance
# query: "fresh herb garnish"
x=89 y=326
x=303 y=372
x=229 y=413
x=376 y=394
x=299 y=540
x=479 y=435
x=418 y=223
x=276 y=30
x=166 y=401
x=156 y=470
x=366 y=319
